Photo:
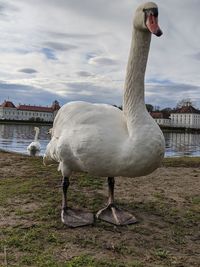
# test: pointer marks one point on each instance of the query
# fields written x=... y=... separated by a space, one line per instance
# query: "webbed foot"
x=114 y=215
x=76 y=218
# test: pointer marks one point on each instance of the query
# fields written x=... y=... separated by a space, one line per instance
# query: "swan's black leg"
x=65 y=185
x=72 y=217
x=111 y=186
x=111 y=213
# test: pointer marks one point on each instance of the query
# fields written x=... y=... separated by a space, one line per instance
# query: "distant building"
x=161 y=118
x=184 y=117
x=8 y=111
x=187 y=116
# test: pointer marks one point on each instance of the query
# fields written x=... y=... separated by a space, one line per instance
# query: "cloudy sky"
x=78 y=49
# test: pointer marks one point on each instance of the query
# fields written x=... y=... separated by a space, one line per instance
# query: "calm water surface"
x=18 y=137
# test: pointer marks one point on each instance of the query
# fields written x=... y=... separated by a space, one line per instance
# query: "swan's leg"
x=111 y=213
x=111 y=187
x=72 y=217
x=65 y=185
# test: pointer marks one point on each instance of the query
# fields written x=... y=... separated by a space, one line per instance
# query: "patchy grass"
x=182 y=162
x=166 y=204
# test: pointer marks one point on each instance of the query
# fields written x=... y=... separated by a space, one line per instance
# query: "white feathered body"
x=34 y=146
x=94 y=138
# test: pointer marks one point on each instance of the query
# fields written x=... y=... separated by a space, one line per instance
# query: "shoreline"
x=183 y=161
x=26 y=122
x=163 y=128
x=179 y=130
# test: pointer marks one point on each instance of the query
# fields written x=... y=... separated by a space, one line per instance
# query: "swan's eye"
x=155 y=13
x=151 y=11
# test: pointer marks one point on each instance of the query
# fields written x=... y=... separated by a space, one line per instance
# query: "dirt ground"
x=166 y=204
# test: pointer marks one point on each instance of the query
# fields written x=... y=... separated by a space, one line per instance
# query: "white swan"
x=34 y=146
x=105 y=141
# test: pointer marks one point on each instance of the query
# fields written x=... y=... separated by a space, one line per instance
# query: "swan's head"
x=146 y=18
x=36 y=129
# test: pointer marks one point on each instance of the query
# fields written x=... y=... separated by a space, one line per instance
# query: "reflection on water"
x=18 y=137
x=182 y=144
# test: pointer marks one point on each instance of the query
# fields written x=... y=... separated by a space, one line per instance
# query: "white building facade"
x=186 y=116
x=161 y=118
x=8 y=111
x=163 y=122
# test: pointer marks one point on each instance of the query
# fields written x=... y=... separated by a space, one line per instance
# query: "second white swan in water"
x=34 y=146
x=105 y=141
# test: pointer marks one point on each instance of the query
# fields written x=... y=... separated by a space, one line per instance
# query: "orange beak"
x=152 y=25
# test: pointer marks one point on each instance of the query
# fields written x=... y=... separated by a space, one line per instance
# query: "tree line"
x=167 y=110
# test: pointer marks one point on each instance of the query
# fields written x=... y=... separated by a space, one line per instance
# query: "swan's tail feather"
x=50 y=157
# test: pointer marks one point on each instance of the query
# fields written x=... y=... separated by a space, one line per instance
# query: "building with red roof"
x=8 y=111
x=7 y=104
x=186 y=116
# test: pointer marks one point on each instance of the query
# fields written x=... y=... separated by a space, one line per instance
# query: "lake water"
x=18 y=137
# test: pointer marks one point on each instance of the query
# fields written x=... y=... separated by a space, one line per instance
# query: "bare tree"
x=184 y=102
x=149 y=107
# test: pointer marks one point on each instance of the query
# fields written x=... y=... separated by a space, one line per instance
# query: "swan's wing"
x=82 y=114
x=86 y=134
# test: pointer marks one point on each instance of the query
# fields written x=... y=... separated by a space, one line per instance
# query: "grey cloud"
x=102 y=10
x=84 y=74
x=161 y=101
x=102 y=61
x=96 y=94
x=172 y=88
x=28 y=70
x=64 y=35
x=60 y=46
x=109 y=100
x=2 y=8
x=196 y=56
x=27 y=94
x=6 y=8
x=170 y=94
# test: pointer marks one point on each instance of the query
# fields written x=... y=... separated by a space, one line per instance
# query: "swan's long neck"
x=36 y=134
x=133 y=102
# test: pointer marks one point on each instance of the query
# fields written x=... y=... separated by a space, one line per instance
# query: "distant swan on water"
x=35 y=146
